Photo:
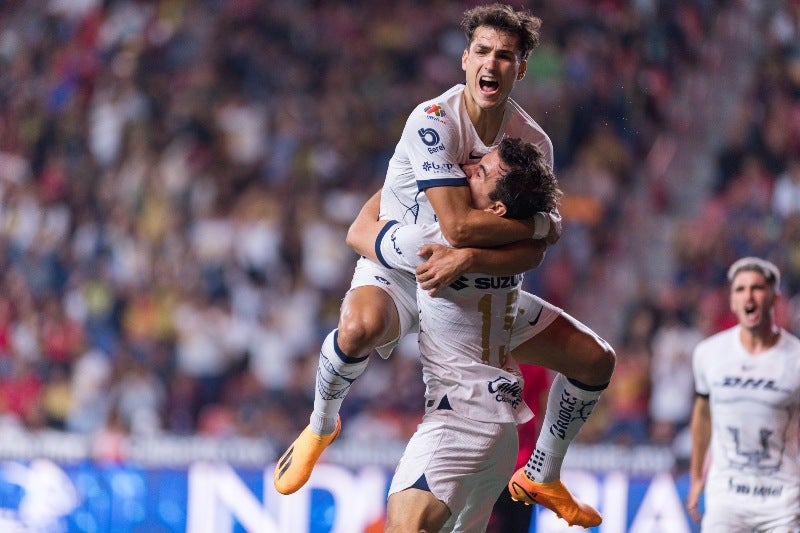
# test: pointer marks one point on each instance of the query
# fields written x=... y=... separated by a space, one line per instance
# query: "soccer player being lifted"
x=425 y=183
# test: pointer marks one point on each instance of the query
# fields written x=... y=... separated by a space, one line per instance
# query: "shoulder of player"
x=791 y=339
x=442 y=109
x=525 y=121
x=710 y=345
x=522 y=125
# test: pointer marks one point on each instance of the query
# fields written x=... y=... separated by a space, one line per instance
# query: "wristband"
x=541 y=225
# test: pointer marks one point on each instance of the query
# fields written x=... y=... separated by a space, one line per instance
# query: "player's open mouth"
x=750 y=308
x=488 y=84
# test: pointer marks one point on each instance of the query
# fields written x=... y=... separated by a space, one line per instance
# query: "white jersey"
x=754 y=402
x=439 y=137
x=464 y=334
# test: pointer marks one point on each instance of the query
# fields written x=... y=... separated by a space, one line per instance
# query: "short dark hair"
x=504 y=19
x=529 y=186
x=755 y=264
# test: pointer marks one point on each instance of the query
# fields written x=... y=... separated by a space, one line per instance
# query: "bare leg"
x=569 y=347
x=368 y=318
x=415 y=510
x=585 y=363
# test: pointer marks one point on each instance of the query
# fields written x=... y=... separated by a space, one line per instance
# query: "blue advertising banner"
x=42 y=495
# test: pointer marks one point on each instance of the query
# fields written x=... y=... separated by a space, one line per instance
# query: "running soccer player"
x=747 y=410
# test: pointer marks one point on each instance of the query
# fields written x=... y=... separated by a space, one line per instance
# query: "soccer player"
x=746 y=410
x=463 y=452
x=425 y=183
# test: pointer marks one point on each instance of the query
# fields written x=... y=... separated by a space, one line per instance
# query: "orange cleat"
x=295 y=465
x=556 y=497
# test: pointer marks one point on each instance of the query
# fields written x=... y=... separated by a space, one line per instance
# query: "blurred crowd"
x=176 y=181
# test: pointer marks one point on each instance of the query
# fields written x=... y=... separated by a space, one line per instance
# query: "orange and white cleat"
x=295 y=465
x=556 y=497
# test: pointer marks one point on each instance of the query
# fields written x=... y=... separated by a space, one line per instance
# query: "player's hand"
x=555 y=228
x=443 y=265
x=547 y=226
x=693 y=500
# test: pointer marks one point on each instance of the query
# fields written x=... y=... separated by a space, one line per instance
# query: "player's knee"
x=359 y=334
x=604 y=359
x=597 y=364
x=368 y=319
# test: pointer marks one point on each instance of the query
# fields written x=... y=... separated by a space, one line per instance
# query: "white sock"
x=568 y=407
x=335 y=373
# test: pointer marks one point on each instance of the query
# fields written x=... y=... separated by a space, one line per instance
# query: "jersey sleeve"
x=397 y=244
x=433 y=144
x=698 y=368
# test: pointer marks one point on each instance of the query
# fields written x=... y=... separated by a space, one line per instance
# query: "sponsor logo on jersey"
x=737 y=382
x=494 y=282
x=498 y=282
x=437 y=168
x=506 y=390
x=383 y=280
x=430 y=138
x=435 y=111
x=763 y=491
x=460 y=283
x=538 y=316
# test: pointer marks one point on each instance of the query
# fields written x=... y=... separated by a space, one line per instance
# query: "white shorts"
x=401 y=288
x=536 y=314
x=466 y=465
x=724 y=514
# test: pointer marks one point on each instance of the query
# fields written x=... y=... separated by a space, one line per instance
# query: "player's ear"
x=464 y=59
x=776 y=297
x=523 y=68
x=498 y=208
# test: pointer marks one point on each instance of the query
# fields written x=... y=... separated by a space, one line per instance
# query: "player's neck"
x=487 y=122
x=757 y=340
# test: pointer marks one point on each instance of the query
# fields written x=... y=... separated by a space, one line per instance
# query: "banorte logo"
x=435 y=110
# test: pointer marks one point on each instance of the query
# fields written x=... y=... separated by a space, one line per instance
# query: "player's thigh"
x=369 y=308
x=379 y=309
x=414 y=510
x=569 y=347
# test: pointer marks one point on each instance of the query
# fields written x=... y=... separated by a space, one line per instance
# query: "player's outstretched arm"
x=365 y=228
